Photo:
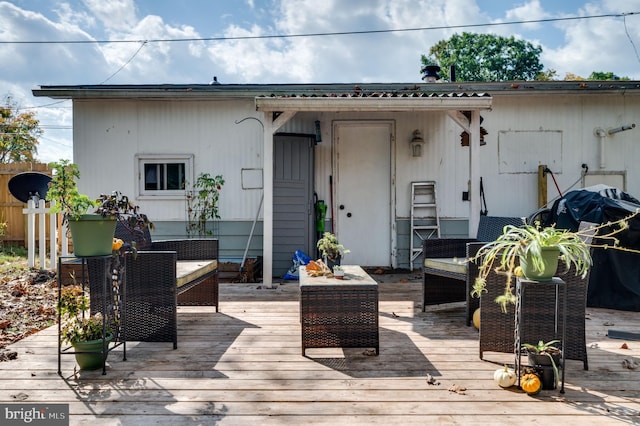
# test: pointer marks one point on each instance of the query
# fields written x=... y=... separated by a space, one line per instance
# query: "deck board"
x=243 y=366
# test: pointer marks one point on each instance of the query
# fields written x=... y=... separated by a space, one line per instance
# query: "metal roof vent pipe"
x=430 y=73
x=452 y=73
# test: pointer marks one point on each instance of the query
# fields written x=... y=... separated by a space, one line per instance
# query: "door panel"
x=363 y=192
x=292 y=200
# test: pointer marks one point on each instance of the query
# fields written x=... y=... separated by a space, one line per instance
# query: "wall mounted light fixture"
x=318 y=132
x=416 y=143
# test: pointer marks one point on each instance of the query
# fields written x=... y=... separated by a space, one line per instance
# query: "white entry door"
x=363 y=156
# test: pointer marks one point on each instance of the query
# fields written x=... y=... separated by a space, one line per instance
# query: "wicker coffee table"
x=339 y=313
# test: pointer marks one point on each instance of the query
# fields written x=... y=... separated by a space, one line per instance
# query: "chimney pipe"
x=452 y=73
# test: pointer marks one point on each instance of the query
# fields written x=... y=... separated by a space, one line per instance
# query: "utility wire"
x=282 y=36
x=126 y=63
x=626 y=30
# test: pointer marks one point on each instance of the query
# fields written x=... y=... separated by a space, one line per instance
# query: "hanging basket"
x=92 y=235
x=549 y=257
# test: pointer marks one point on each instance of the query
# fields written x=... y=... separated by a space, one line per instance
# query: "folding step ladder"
x=425 y=223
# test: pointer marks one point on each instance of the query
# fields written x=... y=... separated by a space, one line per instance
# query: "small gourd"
x=504 y=377
x=531 y=383
x=476 y=319
x=116 y=244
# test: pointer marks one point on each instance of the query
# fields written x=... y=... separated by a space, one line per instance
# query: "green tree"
x=486 y=57
x=19 y=134
x=601 y=75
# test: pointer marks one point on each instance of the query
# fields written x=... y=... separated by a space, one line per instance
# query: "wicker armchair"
x=497 y=328
x=446 y=285
x=150 y=311
x=157 y=281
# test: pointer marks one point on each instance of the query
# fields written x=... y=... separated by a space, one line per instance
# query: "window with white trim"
x=164 y=175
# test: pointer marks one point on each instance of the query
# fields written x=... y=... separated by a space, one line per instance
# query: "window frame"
x=142 y=159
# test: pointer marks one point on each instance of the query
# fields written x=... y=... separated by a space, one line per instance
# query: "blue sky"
x=571 y=46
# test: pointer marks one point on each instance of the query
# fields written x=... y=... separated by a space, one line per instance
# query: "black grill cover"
x=615 y=276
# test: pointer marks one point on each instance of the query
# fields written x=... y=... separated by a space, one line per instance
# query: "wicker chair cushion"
x=189 y=271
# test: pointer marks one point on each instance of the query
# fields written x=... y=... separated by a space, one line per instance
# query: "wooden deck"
x=243 y=366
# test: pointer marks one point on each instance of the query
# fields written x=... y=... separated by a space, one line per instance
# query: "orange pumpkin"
x=530 y=383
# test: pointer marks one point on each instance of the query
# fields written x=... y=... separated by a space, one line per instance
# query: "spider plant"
x=528 y=241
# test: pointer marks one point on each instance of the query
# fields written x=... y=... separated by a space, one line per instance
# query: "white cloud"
x=578 y=47
x=74 y=18
x=115 y=15
x=601 y=45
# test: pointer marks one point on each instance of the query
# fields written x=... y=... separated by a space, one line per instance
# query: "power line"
x=125 y=64
x=324 y=34
x=49 y=105
x=626 y=30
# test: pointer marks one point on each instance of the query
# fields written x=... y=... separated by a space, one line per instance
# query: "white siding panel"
x=575 y=117
x=115 y=131
x=206 y=129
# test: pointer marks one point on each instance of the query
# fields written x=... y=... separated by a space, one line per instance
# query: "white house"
x=282 y=147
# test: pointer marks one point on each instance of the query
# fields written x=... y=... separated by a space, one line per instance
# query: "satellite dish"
x=29 y=185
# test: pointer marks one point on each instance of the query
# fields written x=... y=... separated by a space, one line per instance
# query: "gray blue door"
x=292 y=199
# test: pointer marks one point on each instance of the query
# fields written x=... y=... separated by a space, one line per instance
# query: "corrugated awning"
x=375 y=101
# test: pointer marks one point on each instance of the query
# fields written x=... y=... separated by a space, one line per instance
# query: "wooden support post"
x=542 y=185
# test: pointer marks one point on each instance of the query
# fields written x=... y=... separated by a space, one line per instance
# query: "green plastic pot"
x=549 y=256
x=92 y=235
x=94 y=358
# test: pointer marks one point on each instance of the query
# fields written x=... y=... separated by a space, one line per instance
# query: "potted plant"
x=338 y=272
x=330 y=249
x=119 y=207
x=530 y=251
x=546 y=357
x=533 y=252
x=92 y=233
x=86 y=333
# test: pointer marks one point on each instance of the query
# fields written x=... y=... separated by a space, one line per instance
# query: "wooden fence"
x=10 y=207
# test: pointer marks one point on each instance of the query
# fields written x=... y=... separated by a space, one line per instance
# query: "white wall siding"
x=561 y=130
x=513 y=191
x=561 y=135
x=206 y=129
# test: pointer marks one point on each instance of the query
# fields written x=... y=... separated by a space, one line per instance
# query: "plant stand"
x=113 y=300
x=559 y=286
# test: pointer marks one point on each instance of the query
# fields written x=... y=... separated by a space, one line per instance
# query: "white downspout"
x=601 y=134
